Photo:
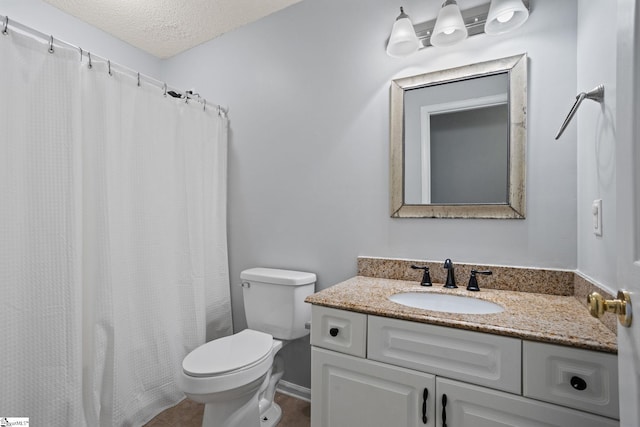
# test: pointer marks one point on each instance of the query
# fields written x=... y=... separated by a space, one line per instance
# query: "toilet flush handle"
x=245 y=285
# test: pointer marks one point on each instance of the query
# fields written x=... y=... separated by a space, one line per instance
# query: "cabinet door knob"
x=578 y=383
x=334 y=332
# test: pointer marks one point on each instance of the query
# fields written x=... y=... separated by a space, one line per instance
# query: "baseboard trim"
x=294 y=390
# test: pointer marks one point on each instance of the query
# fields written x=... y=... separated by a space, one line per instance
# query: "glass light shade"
x=403 y=40
x=505 y=15
x=450 y=28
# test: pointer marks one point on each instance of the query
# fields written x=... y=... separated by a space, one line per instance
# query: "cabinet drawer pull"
x=578 y=383
x=334 y=332
x=425 y=395
x=444 y=410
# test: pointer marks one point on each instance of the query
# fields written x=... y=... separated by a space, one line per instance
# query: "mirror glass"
x=457 y=142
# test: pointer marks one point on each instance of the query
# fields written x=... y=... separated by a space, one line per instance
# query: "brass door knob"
x=620 y=306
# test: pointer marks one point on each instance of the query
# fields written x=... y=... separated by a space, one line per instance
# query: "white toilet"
x=236 y=376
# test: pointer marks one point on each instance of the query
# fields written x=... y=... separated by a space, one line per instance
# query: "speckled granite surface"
x=532 y=316
x=537 y=280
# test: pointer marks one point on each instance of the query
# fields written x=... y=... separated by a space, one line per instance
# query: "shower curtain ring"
x=51 y=44
x=80 y=53
x=109 y=67
x=138 y=79
x=6 y=25
x=90 y=65
x=204 y=104
x=165 y=90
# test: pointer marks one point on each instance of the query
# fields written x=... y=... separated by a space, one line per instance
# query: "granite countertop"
x=531 y=316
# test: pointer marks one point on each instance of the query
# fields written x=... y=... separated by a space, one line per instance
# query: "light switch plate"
x=596 y=210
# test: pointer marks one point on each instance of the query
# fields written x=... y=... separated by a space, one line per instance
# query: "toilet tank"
x=274 y=301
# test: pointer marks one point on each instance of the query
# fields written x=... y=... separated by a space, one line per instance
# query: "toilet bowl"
x=236 y=376
x=228 y=376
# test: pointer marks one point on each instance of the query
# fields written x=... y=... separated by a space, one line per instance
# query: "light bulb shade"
x=504 y=16
x=450 y=28
x=403 y=40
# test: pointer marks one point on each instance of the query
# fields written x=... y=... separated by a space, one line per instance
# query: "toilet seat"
x=250 y=352
x=228 y=354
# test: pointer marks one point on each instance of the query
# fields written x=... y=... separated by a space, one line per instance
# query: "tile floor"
x=295 y=413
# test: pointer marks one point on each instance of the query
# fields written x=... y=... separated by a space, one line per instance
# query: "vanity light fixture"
x=505 y=15
x=403 y=40
x=450 y=28
x=453 y=25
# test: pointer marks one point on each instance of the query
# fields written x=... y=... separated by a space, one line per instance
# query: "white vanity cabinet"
x=349 y=390
x=379 y=372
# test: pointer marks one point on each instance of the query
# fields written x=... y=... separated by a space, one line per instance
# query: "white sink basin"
x=446 y=303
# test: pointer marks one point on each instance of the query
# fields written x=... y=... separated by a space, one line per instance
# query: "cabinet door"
x=473 y=406
x=349 y=391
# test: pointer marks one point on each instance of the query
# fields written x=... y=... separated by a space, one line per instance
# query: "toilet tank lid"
x=278 y=277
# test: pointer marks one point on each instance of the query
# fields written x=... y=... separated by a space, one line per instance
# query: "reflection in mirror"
x=457 y=142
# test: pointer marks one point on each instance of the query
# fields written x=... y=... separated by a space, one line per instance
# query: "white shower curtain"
x=113 y=251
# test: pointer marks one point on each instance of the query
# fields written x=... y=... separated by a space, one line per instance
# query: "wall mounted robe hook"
x=595 y=94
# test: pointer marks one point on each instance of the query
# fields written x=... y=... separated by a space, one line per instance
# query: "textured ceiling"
x=167 y=27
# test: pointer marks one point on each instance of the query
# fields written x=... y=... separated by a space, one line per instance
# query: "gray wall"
x=595 y=127
x=308 y=91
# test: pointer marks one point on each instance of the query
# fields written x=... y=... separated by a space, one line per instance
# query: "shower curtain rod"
x=6 y=24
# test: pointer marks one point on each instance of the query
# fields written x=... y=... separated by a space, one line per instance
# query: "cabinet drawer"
x=576 y=378
x=484 y=359
x=339 y=330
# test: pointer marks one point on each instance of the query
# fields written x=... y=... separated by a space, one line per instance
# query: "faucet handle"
x=473 y=281
x=426 y=277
